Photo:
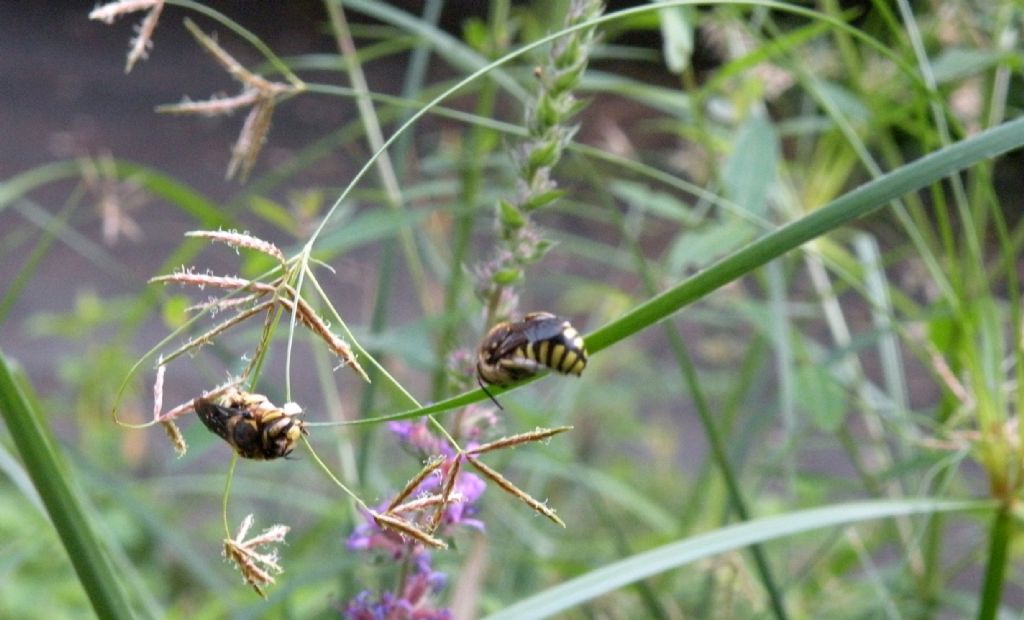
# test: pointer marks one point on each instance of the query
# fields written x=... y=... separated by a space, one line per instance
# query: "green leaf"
x=476 y=35
x=957 y=63
x=677 y=24
x=613 y=576
x=750 y=171
x=174 y=311
x=696 y=248
x=507 y=276
x=821 y=397
x=542 y=199
x=510 y=216
x=663 y=204
x=273 y=212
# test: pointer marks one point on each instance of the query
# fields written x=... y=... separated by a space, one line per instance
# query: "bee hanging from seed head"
x=255 y=427
x=512 y=351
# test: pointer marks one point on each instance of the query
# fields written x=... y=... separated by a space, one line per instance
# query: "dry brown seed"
x=177 y=439
x=214 y=106
x=257 y=568
x=239 y=240
x=409 y=529
x=250 y=140
x=537 y=435
x=203 y=280
x=415 y=481
x=112 y=10
x=507 y=485
x=143 y=40
x=446 y=492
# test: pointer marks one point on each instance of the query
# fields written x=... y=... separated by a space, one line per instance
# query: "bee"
x=512 y=351
x=254 y=426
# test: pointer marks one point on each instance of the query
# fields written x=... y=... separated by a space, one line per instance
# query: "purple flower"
x=413 y=603
x=369 y=536
x=474 y=420
x=469 y=487
x=416 y=437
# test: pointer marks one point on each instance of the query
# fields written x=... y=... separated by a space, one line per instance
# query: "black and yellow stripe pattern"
x=512 y=351
x=564 y=352
x=251 y=424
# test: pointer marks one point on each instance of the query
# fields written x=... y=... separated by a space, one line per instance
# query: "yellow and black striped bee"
x=254 y=426
x=512 y=351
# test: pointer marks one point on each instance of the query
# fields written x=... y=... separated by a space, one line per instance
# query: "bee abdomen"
x=565 y=353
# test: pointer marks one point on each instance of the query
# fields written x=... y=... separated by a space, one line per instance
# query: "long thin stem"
x=375 y=137
x=228 y=479
x=1000 y=535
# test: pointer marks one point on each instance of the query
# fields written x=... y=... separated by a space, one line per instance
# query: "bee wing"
x=546 y=328
x=215 y=417
x=527 y=331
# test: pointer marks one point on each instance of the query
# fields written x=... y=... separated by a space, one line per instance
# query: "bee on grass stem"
x=513 y=351
x=255 y=427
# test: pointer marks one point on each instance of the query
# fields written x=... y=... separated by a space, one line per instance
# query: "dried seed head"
x=314 y=323
x=115 y=198
x=424 y=502
x=226 y=60
x=143 y=40
x=513 y=490
x=112 y=10
x=539 y=434
x=258 y=569
x=158 y=389
x=239 y=240
x=250 y=141
x=446 y=493
x=214 y=106
x=415 y=481
x=202 y=280
x=174 y=434
x=407 y=528
x=215 y=304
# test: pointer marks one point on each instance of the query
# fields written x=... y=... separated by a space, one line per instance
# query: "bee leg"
x=489 y=395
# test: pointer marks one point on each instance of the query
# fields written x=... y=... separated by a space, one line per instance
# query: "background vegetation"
x=791 y=234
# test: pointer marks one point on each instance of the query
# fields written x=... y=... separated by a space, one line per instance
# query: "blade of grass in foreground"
x=613 y=576
x=56 y=488
x=855 y=204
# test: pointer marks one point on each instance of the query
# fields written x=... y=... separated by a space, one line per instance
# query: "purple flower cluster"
x=369 y=536
x=411 y=600
x=471 y=423
x=411 y=603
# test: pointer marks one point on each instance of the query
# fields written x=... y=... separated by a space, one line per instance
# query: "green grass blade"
x=56 y=488
x=24 y=275
x=21 y=184
x=862 y=201
x=453 y=50
x=1000 y=535
x=673 y=555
